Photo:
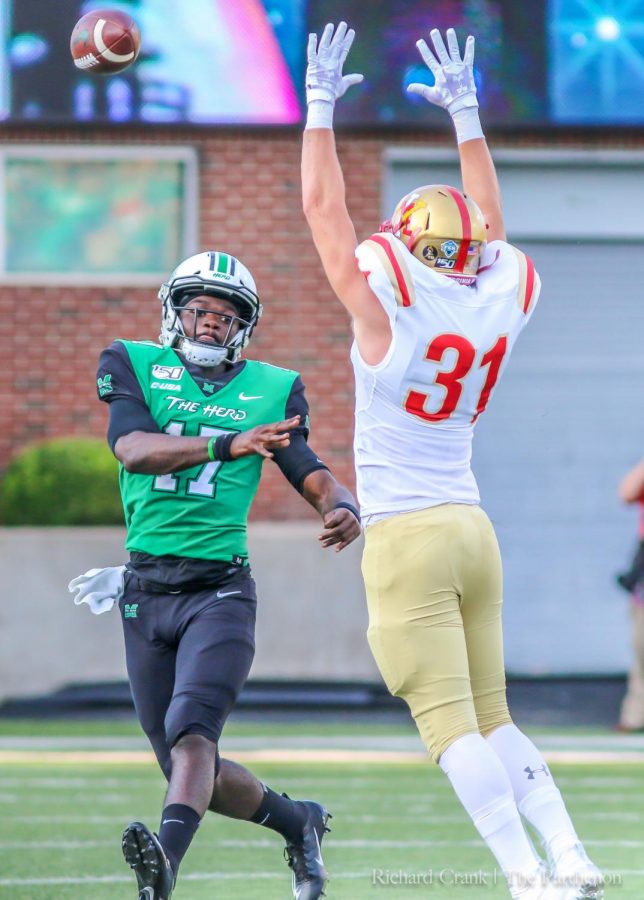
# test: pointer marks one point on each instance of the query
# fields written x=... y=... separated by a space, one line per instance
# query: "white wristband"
x=467 y=125
x=319 y=114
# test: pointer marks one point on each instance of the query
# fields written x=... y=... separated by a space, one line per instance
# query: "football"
x=105 y=41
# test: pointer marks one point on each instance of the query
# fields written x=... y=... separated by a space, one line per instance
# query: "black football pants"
x=188 y=656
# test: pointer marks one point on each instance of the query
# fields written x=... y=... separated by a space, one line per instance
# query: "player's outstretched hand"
x=340 y=528
x=326 y=58
x=263 y=438
x=454 y=87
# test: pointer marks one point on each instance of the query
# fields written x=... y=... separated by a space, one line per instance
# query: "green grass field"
x=60 y=821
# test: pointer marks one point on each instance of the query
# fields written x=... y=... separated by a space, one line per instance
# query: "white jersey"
x=416 y=410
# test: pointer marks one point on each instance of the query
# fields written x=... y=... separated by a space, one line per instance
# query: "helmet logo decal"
x=401 y=222
x=429 y=253
x=222 y=263
x=449 y=248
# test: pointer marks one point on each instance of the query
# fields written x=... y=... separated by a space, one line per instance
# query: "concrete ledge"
x=311 y=613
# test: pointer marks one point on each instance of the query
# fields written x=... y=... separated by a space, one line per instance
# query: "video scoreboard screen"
x=242 y=62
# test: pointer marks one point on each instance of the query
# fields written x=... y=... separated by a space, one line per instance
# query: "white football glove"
x=324 y=78
x=455 y=88
x=99 y=588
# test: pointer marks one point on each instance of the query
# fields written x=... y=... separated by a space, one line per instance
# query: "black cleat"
x=305 y=858
x=144 y=854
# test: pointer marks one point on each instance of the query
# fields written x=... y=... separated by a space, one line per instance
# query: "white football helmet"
x=212 y=274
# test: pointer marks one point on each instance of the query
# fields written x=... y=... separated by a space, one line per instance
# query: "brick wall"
x=250 y=206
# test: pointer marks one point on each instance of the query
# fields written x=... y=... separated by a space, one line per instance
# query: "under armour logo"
x=533 y=772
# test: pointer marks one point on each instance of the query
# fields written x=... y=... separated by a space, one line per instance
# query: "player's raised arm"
x=455 y=90
x=323 y=191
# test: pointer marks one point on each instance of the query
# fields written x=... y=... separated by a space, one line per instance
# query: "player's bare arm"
x=159 y=454
x=631 y=488
x=323 y=191
x=325 y=494
x=455 y=90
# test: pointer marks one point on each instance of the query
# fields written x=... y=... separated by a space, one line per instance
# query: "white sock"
x=535 y=792
x=483 y=787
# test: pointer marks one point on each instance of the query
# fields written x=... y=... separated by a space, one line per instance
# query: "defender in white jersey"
x=450 y=344
x=438 y=299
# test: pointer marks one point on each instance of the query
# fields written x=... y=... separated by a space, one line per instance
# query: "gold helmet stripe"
x=466 y=225
x=525 y=294
x=391 y=255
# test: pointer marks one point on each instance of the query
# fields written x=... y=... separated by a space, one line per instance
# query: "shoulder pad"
x=528 y=288
x=392 y=260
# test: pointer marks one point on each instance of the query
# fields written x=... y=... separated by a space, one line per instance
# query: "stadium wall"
x=311 y=614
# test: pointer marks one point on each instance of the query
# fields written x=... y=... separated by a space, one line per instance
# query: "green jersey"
x=200 y=512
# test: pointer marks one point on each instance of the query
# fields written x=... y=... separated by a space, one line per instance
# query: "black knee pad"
x=189 y=715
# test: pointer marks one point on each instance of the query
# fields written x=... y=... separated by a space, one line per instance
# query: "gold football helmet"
x=443 y=228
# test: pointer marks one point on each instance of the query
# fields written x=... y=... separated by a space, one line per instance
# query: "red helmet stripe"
x=529 y=287
x=391 y=256
x=466 y=225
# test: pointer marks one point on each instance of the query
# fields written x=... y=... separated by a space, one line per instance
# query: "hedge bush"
x=65 y=481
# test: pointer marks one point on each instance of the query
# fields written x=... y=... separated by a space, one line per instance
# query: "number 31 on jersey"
x=451 y=380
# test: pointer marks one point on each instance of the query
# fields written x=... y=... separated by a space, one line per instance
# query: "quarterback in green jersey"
x=191 y=423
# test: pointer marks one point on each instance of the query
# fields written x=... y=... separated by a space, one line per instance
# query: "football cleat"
x=305 y=857
x=144 y=854
x=573 y=870
x=538 y=887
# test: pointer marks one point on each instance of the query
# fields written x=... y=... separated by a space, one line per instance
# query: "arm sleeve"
x=298 y=460
x=127 y=415
x=118 y=386
x=297 y=405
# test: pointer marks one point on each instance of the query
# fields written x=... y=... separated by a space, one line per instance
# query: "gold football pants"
x=434 y=591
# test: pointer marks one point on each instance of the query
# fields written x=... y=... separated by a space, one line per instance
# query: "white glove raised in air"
x=454 y=88
x=326 y=58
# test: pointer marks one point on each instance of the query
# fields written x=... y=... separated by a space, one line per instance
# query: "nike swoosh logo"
x=180 y=821
x=227 y=593
x=242 y=396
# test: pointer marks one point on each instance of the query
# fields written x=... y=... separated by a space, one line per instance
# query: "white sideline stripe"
x=220 y=876
x=262 y=844
x=69 y=820
x=357 y=742
x=377 y=757
x=192 y=876
x=426 y=816
x=606 y=782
